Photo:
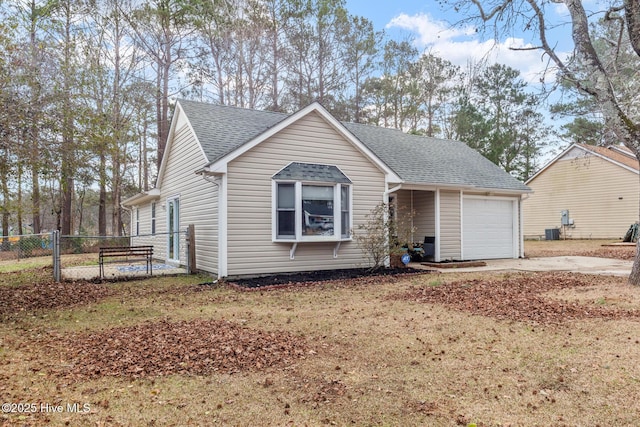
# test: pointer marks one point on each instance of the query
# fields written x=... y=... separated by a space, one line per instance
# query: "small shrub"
x=382 y=236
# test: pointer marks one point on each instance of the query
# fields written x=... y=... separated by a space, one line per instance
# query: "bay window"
x=311 y=208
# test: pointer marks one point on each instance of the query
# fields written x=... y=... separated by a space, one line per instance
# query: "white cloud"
x=460 y=45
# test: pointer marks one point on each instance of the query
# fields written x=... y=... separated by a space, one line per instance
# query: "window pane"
x=286 y=196
x=317 y=210
x=345 y=225
x=344 y=209
x=317 y=192
x=153 y=218
x=286 y=223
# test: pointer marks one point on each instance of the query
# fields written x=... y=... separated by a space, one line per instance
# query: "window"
x=286 y=211
x=312 y=202
x=345 y=208
x=312 y=211
x=153 y=218
x=317 y=210
x=137 y=221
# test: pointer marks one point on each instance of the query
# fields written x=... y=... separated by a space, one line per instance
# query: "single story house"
x=271 y=192
x=586 y=192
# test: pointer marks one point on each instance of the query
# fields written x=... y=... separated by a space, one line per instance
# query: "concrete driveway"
x=575 y=264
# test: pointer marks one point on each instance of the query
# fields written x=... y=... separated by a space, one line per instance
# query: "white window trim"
x=337 y=213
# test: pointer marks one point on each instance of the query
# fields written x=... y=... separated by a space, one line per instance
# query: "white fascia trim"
x=621 y=149
x=140 y=198
x=453 y=187
x=220 y=164
x=178 y=115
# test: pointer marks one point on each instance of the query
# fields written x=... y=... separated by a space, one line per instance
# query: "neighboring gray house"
x=271 y=192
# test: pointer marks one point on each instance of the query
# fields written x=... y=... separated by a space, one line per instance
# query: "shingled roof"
x=617 y=153
x=416 y=159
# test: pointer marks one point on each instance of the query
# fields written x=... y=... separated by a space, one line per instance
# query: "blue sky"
x=429 y=24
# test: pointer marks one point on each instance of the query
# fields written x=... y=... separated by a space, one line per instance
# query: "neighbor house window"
x=153 y=218
x=315 y=206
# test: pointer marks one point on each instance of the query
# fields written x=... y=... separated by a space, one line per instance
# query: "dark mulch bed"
x=322 y=276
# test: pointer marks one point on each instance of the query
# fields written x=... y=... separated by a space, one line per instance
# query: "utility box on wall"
x=564 y=218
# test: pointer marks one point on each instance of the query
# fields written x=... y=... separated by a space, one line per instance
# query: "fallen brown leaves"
x=49 y=295
x=518 y=297
x=625 y=252
x=162 y=348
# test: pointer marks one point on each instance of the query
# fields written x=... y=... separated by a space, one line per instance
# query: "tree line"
x=86 y=88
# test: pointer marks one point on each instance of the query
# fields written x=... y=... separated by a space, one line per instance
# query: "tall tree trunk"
x=68 y=152
x=35 y=188
x=5 y=213
x=19 y=217
x=33 y=137
x=634 y=277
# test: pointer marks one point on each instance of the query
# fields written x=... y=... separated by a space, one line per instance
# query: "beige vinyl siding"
x=602 y=198
x=450 y=239
x=198 y=200
x=311 y=140
x=422 y=204
x=144 y=237
x=425 y=218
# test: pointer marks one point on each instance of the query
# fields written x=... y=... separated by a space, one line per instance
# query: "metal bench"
x=126 y=254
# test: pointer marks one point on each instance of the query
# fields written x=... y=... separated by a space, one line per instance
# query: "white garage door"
x=488 y=228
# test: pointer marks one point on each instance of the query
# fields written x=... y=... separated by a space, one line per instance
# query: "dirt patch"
x=162 y=348
x=353 y=275
x=519 y=297
x=49 y=295
x=625 y=252
x=594 y=248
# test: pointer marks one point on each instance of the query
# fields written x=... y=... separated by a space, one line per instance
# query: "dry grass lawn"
x=408 y=351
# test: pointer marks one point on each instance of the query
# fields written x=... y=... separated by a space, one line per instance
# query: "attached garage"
x=489 y=228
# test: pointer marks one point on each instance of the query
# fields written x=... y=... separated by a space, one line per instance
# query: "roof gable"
x=227 y=132
x=617 y=155
x=246 y=120
x=222 y=129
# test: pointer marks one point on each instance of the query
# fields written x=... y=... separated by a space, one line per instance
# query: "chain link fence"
x=77 y=257
x=25 y=246
x=80 y=256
